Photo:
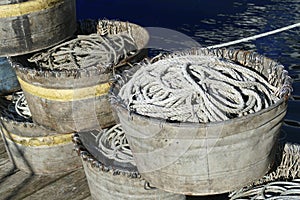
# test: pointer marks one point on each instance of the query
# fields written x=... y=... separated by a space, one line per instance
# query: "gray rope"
x=114 y=145
x=283 y=183
x=21 y=106
x=15 y=107
x=86 y=51
x=197 y=88
x=255 y=36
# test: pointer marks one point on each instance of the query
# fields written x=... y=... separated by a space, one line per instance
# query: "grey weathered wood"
x=15 y=184
x=2 y=148
x=35 y=158
x=208 y=158
x=88 y=198
x=104 y=185
x=38 y=29
x=66 y=116
x=6 y=170
x=71 y=186
x=20 y=184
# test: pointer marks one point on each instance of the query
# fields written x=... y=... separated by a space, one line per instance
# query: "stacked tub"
x=65 y=90
x=197 y=122
x=26 y=27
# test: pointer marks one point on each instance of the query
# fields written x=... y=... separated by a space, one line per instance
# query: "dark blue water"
x=211 y=22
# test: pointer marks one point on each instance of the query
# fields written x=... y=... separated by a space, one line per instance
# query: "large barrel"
x=35 y=24
x=33 y=148
x=72 y=100
x=8 y=78
x=207 y=158
x=111 y=173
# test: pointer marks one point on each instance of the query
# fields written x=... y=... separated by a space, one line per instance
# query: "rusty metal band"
x=65 y=95
x=51 y=140
x=18 y=9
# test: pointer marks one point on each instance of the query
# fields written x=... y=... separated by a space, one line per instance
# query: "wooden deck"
x=15 y=184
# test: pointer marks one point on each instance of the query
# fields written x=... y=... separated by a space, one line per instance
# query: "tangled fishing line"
x=197 y=88
x=105 y=49
x=114 y=145
x=15 y=107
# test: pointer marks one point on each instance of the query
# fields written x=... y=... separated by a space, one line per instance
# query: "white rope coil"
x=15 y=107
x=21 y=105
x=282 y=183
x=197 y=88
x=86 y=51
x=114 y=145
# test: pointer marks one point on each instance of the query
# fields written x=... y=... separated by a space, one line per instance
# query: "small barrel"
x=8 y=78
x=204 y=158
x=68 y=100
x=33 y=148
x=109 y=167
x=28 y=26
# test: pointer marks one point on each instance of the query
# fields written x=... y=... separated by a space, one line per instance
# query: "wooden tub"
x=72 y=100
x=207 y=158
x=113 y=176
x=28 y=26
x=35 y=149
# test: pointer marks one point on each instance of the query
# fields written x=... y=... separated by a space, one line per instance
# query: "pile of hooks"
x=197 y=88
x=86 y=51
x=114 y=145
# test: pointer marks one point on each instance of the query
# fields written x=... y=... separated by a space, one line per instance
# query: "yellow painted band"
x=65 y=94
x=51 y=140
x=23 y=8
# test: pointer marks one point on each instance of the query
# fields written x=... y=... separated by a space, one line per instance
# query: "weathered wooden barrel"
x=110 y=170
x=69 y=100
x=8 y=78
x=32 y=25
x=33 y=148
x=207 y=158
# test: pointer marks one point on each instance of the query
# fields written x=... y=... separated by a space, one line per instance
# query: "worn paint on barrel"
x=211 y=158
x=65 y=95
x=37 y=150
x=34 y=25
x=8 y=78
